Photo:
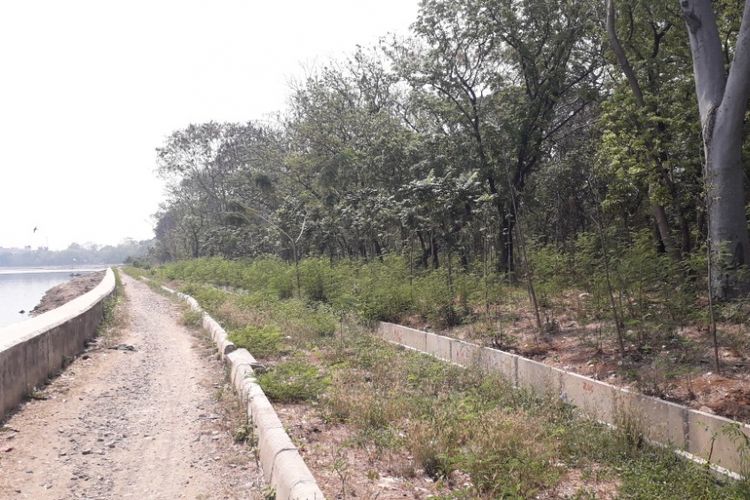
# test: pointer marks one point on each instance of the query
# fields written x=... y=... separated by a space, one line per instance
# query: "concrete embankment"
x=695 y=434
x=33 y=350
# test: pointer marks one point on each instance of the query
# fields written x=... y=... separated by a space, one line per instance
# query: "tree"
x=655 y=65
x=722 y=103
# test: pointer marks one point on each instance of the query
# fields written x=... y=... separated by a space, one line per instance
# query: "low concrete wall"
x=695 y=434
x=283 y=467
x=34 y=349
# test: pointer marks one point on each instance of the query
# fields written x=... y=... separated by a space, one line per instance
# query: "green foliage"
x=293 y=381
x=509 y=442
x=262 y=342
x=192 y=318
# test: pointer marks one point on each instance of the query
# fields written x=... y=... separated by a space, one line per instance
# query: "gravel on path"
x=151 y=423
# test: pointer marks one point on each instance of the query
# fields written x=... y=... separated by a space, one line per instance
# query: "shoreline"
x=67 y=291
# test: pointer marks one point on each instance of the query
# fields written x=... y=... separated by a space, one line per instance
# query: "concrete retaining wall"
x=693 y=433
x=283 y=467
x=34 y=349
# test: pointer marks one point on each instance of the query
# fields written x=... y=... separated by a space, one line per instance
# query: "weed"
x=268 y=493
x=293 y=381
x=263 y=342
x=191 y=317
x=243 y=432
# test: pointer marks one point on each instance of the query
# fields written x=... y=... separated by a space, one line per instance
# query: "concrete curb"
x=691 y=433
x=283 y=466
x=34 y=349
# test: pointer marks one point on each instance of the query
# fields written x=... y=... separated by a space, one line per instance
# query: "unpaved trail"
x=145 y=424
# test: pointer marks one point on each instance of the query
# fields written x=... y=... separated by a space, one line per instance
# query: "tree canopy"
x=494 y=127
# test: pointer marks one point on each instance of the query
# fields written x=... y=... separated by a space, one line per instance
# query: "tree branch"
x=622 y=58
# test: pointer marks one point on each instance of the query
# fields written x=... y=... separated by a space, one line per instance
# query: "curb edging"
x=690 y=433
x=283 y=467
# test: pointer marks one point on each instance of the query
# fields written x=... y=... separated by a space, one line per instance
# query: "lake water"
x=22 y=289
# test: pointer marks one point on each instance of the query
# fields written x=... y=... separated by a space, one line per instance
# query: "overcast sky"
x=89 y=89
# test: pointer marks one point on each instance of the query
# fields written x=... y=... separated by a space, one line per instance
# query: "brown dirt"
x=679 y=368
x=65 y=292
x=346 y=467
x=147 y=423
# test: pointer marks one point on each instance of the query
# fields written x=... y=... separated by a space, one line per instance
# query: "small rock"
x=123 y=347
x=259 y=367
x=706 y=409
x=87 y=451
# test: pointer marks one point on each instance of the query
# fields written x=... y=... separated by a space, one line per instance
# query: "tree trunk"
x=434 y=247
x=728 y=234
x=425 y=251
x=660 y=215
x=665 y=235
x=507 y=263
x=722 y=102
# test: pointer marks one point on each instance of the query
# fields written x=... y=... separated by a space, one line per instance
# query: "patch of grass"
x=191 y=318
x=293 y=381
x=113 y=314
x=262 y=341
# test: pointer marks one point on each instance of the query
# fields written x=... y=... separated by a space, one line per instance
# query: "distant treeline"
x=75 y=254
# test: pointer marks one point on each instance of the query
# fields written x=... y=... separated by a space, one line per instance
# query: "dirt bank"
x=151 y=419
x=65 y=292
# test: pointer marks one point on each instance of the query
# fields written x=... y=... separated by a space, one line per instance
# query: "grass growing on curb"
x=191 y=318
x=459 y=426
x=113 y=315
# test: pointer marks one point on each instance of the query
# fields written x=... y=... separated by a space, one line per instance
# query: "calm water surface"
x=21 y=289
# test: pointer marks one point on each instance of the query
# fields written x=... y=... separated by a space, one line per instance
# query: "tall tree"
x=643 y=128
x=722 y=102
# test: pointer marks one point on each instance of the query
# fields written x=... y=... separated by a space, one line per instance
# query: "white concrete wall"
x=33 y=350
x=696 y=433
x=283 y=467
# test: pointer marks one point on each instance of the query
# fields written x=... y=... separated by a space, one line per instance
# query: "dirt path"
x=144 y=424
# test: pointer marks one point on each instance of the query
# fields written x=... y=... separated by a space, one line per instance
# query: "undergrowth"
x=454 y=423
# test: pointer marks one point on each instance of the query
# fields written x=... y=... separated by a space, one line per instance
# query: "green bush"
x=293 y=381
x=262 y=342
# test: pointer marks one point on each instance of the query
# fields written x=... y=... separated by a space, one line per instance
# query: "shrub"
x=293 y=381
x=262 y=342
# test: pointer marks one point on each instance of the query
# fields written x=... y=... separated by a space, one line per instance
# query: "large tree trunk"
x=722 y=101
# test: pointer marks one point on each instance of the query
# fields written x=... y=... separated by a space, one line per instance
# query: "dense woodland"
x=553 y=144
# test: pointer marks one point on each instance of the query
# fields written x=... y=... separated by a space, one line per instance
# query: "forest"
x=590 y=154
x=562 y=180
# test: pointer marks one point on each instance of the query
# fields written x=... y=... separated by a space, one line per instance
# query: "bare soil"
x=153 y=422
x=346 y=467
x=65 y=292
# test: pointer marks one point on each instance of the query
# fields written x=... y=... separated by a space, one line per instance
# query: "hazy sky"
x=89 y=89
